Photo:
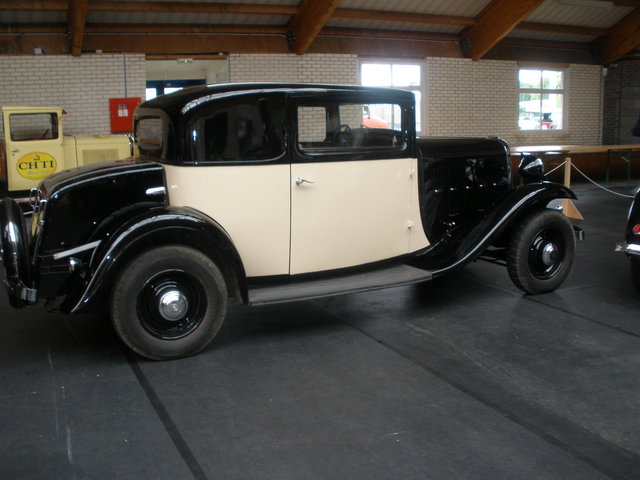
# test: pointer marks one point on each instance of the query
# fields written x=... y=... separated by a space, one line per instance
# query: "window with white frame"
x=400 y=75
x=542 y=100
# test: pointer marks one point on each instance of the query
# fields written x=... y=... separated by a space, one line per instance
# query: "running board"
x=395 y=276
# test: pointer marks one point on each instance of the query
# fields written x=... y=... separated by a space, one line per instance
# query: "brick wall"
x=463 y=97
x=470 y=98
x=311 y=68
x=621 y=103
x=481 y=98
x=80 y=85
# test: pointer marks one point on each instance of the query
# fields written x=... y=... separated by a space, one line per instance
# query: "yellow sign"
x=36 y=165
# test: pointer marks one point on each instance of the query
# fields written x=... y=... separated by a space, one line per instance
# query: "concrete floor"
x=459 y=378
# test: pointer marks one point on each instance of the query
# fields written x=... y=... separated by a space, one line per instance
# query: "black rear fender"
x=464 y=245
x=157 y=227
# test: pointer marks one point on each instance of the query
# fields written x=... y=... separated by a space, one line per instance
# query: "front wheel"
x=169 y=302
x=540 y=251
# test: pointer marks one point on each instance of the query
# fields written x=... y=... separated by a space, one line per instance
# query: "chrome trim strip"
x=28 y=294
x=235 y=93
x=628 y=248
x=72 y=251
x=155 y=191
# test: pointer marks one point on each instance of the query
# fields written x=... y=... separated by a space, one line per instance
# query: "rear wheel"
x=169 y=302
x=540 y=252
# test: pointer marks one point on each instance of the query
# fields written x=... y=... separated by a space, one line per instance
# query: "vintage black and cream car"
x=273 y=193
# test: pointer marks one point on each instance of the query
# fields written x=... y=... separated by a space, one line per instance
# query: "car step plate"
x=338 y=285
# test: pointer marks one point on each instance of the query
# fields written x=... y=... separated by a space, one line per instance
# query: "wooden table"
x=624 y=153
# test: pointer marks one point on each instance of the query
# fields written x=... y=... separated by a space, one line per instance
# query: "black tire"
x=540 y=251
x=634 y=263
x=169 y=302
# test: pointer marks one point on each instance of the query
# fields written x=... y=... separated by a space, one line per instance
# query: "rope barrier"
x=589 y=179
x=553 y=170
x=600 y=186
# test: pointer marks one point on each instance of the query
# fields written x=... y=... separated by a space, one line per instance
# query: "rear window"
x=243 y=129
x=150 y=136
x=349 y=127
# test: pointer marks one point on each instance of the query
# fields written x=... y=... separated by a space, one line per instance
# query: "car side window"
x=243 y=129
x=150 y=136
x=33 y=126
x=350 y=127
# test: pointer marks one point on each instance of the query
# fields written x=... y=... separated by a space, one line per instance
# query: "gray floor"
x=459 y=378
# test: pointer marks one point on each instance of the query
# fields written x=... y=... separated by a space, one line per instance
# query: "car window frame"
x=406 y=149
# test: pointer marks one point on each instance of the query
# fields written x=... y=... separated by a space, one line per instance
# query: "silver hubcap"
x=549 y=254
x=173 y=305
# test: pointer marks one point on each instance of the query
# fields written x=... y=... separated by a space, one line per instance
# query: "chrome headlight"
x=531 y=169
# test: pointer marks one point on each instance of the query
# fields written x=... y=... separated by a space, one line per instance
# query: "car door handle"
x=300 y=181
x=14 y=150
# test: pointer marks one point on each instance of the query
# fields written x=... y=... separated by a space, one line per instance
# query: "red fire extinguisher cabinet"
x=121 y=113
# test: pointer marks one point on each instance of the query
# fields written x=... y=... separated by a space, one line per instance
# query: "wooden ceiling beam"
x=193 y=7
x=523 y=42
x=76 y=19
x=33 y=28
x=171 y=28
x=158 y=56
x=189 y=46
x=495 y=22
x=46 y=5
x=621 y=39
x=390 y=34
x=307 y=23
x=186 y=45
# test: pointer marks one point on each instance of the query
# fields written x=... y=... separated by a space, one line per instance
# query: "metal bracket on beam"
x=291 y=38
x=465 y=46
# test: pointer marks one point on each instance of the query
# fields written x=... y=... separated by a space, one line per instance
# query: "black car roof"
x=177 y=101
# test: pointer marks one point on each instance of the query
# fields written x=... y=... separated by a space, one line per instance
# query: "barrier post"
x=568 y=208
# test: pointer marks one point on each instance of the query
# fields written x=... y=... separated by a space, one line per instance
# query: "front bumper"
x=14 y=254
x=628 y=248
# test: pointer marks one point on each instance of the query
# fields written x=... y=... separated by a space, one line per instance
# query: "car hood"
x=74 y=176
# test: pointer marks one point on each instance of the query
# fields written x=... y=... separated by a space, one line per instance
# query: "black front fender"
x=156 y=227
x=14 y=254
x=633 y=220
x=463 y=246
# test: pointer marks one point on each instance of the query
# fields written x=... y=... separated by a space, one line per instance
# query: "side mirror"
x=531 y=169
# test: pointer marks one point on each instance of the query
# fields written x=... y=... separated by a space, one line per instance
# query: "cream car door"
x=242 y=177
x=347 y=209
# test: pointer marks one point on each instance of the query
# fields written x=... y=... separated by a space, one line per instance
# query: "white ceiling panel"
x=554 y=11
x=464 y=8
